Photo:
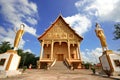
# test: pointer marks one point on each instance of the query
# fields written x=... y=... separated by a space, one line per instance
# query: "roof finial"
x=60 y=14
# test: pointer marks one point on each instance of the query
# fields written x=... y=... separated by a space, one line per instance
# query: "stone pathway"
x=82 y=74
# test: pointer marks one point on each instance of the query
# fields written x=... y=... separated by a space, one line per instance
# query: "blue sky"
x=37 y=15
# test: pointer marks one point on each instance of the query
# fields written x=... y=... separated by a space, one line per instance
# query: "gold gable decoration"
x=59 y=30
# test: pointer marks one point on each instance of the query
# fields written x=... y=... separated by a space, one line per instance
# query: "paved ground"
x=81 y=74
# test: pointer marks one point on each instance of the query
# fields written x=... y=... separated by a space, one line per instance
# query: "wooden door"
x=60 y=57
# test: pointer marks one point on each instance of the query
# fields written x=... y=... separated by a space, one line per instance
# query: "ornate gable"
x=59 y=30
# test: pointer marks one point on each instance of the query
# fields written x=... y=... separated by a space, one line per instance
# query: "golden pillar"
x=77 y=49
x=68 y=49
x=52 y=44
x=79 y=56
x=41 y=53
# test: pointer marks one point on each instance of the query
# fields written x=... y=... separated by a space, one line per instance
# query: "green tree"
x=87 y=65
x=117 y=31
x=21 y=53
x=4 y=46
x=27 y=58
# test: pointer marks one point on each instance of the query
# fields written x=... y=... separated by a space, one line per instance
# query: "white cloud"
x=28 y=50
x=9 y=35
x=6 y=35
x=31 y=20
x=91 y=55
x=79 y=23
x=2 y=31
x=16 y=12
x=30 y=30
x=104 y=10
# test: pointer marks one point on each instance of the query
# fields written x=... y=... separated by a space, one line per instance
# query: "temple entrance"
x=60 y=51
x=60 y=57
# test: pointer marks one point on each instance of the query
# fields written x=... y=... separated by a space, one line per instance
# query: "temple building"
x=60 y=43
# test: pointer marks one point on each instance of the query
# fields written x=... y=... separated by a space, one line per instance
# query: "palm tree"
x=4 y=46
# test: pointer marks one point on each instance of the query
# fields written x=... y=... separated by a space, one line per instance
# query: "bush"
x=24 y=68
x=87 y=65
x=93 y=70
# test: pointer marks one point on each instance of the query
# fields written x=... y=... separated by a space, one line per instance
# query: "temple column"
x=68 y=49
x=77 y=49
x=41 y=53
x=52 y=43
x=79 y=55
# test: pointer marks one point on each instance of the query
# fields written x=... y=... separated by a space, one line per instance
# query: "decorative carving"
x=47 y=42
x=49 y=35
x=57 y=35
x=64 y=35
x=71 y=36
x=60 y=35
x=60 y=31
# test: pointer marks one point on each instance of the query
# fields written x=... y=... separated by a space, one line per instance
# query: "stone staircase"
x=59 y=65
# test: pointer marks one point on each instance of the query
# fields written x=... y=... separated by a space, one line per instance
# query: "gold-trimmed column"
x=68 y=49
x=77 y=49
x=41 y=53
x=52 y=43
x=9 y=62
x=79 y=55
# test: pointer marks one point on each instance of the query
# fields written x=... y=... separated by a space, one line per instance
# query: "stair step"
x=59 y=65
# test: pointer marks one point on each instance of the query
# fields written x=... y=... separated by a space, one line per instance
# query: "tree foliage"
x=86 y=65
x=117 y=31
x=4 y=46
x=27 y=58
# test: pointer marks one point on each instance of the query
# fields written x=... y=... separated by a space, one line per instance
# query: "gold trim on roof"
x=59 y=17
